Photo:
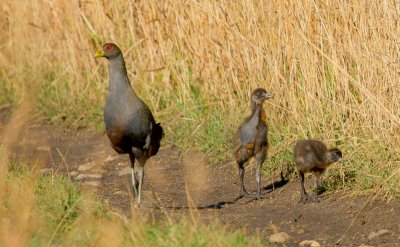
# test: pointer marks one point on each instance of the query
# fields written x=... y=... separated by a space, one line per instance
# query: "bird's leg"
x=260 y=157
x=304 y=195
x=316 y=185
x=258 y=179
x=140 y=176
x=134 y=182
x=243 y=191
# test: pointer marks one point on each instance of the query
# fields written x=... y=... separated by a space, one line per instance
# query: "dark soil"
x=178 y=179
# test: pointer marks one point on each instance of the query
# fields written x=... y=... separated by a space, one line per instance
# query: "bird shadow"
x=276 y=184
x=219 y=205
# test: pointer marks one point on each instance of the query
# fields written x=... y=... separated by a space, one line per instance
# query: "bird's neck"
x=256 y=109
x=119 y=82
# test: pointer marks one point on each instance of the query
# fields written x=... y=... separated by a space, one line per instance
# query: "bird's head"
x=259 y=95
x=110 y=50
x=335 y=155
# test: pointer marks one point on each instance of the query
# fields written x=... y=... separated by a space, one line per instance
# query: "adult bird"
x=129 y=123
x=251 y=139
x=313 y=156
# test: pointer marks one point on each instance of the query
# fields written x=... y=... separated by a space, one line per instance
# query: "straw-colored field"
x=333 y=67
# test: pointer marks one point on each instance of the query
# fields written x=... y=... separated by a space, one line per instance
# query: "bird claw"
x=313 y=198
x=305 y=198
x=243 y=192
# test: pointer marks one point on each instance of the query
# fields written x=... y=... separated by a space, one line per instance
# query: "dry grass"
x=332 y=65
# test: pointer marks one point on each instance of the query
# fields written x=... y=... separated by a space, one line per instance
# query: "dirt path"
x=173 y=175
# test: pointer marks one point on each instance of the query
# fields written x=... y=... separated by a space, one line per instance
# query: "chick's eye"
x=109 y=47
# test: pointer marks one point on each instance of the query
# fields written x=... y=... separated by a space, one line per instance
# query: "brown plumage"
x=130 y=124
x=313 y=156
x=251 y=139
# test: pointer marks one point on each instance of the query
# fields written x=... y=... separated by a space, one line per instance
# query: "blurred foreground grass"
x=50 y=210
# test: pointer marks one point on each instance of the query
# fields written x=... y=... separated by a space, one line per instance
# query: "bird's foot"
x=258 y=196
x=304 y=198
x=243 y=192
x=307 y=198
x=313 y=198
x=136 y=202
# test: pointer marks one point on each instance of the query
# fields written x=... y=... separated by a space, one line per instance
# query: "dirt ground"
x=176 y=179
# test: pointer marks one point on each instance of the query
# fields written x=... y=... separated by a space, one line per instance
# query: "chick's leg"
x=260 y=158
x=304 y=195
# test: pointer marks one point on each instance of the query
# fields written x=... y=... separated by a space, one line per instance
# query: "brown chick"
x=251 y=139
x=313 y=156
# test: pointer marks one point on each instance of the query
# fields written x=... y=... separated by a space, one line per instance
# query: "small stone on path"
x=279 y=238
x=311 y=243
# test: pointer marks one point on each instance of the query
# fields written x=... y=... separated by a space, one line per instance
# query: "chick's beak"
x=99 y=54
x=268 y=96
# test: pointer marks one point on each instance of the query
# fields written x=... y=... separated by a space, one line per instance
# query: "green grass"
x=6 y=94
x=60 y=213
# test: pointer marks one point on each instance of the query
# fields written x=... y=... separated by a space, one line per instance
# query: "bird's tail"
x=157 y=135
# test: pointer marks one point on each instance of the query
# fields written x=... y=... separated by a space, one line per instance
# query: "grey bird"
x=129 y=123
x=251 y=139
x=313 y=156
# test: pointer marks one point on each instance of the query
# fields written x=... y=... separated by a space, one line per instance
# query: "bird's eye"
x=109 y=47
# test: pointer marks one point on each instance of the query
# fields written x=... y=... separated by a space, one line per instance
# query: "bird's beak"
x=99 y=54
x=268 y=96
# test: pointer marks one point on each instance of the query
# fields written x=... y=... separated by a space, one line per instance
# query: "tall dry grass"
x=332 y=66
